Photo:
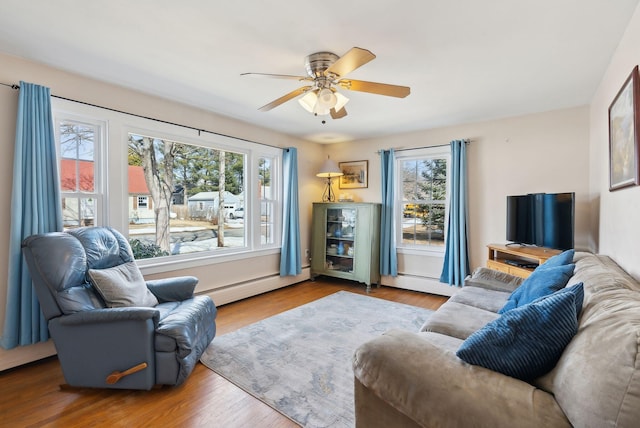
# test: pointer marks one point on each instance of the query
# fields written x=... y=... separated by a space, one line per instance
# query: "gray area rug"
x=299 y=361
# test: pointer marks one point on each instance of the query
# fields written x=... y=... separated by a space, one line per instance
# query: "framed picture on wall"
x=355 y=174
x=624 y=119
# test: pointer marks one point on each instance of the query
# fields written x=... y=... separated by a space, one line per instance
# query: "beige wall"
x=223 y=281
x=616 y=213
x=546 y=152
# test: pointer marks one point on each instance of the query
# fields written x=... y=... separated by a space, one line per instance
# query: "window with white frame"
x=266 y=196
x=213 y=182
x=174 y=194
x=422 y=202
x=79 y=148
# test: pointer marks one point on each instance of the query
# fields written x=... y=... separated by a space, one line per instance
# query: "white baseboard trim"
x=234 y=292
x=419 y=283
x=26 y=354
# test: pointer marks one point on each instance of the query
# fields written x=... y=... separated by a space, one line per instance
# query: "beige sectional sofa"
x=415 y=379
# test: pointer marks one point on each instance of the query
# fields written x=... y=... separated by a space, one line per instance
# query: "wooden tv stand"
x=517 y=254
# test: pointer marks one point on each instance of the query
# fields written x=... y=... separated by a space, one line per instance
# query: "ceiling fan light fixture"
x=341 y=101
x=319 y=110
x=327 y=99
x=308 y=102
x=325 y=71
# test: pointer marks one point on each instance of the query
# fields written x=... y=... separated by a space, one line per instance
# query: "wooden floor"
x=30 y=396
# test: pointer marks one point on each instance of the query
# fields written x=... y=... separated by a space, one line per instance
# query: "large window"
x=177 y=195
x=422 y=203
x=183 y=198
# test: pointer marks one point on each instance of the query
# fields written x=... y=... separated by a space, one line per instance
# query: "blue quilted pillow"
x=577 y=290
x=561 y=259
x=527 y=342
x=540 y=283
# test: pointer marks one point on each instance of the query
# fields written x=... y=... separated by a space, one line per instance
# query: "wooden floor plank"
x=31 y=394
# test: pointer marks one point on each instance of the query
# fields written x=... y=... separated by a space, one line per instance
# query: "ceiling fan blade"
x=283 y=99
x=356 y=57
x=375 y=88
x=277 y=76
x=338 y=114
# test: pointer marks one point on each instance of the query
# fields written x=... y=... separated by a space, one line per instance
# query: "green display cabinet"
x=346 y=241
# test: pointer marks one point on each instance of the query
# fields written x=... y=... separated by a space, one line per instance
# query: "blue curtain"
x=35 y=208
x=290 y=260
x=456 y=256
x=388 y=255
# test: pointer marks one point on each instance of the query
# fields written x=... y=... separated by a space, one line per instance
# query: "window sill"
x=430 y=252
x=161 y=265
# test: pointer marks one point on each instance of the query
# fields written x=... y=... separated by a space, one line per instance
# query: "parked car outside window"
x=238 y=213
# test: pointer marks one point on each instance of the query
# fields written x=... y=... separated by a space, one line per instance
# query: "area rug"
x=299 y=361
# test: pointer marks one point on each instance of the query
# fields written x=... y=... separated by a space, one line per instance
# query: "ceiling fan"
x=325 y=72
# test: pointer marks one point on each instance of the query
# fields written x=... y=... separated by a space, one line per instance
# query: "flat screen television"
x=542 y=219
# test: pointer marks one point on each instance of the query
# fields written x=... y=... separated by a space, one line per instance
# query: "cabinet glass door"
x=340 y=243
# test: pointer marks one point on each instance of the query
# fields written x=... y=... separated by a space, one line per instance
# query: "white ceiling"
x=465 y=60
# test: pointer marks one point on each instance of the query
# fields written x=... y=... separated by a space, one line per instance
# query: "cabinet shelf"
x=342 y=256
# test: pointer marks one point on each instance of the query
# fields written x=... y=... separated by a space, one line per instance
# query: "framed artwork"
x=624 y=119
x=356 y=174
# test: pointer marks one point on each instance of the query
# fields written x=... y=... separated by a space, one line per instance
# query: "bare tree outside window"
x=192 y=191
x=157 y=159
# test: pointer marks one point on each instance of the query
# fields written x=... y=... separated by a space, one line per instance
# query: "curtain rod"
x=14 y=86
x=426 y=147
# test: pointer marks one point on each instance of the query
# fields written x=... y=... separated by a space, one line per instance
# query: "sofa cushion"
x=458 y=320
x=122 y=286
x=493 y=280
x=489 y=300
x=526 y=342
x=541 y=282
x=564 y=258
x=442 y=341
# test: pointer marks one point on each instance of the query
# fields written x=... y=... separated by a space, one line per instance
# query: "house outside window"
x=79 y=147
x=422 y=198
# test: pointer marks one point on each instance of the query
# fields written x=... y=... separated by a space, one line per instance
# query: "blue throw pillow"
x=577 y=290
x=526 y=342
x=540 y=283
x=561 y=259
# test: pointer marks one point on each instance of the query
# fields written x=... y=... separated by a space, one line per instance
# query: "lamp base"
x=328 y=195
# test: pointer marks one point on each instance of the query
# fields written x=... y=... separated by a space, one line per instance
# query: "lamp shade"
x=341 y=101
x=309 y=101
x=327 y=99
x=329 y=169
x=319 y=110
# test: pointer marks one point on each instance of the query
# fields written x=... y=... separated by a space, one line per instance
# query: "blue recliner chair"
x=110 y=330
